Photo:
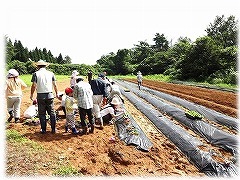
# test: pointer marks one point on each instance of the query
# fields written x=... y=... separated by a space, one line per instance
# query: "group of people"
x=95 y=99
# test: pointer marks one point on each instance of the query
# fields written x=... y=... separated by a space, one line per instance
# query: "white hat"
x=75 y=72
x=12 y=73
x=115 y=101
x=41 y=63
x=139 y=72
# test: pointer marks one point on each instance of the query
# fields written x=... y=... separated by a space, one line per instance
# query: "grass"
x=163 y=78
x=156 y=77
x=27 y=78
x=66 y=170
x=15 y=137
x=29 y=157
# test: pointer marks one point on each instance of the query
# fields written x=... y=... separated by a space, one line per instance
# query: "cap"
x=12 y=73
x=68 y=90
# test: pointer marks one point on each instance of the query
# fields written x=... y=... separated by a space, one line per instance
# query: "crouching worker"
x=111 y=111
x=31 y=111
x=69 y=106
x=31 y=114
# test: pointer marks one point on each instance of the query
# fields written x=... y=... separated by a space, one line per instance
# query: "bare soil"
x=95 y=155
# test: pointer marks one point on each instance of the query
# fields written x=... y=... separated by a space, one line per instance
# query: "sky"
x=85 y=30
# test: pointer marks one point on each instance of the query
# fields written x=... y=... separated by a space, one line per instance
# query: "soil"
x=95 y=155
x=221 y=101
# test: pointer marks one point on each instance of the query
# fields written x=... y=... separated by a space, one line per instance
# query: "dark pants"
x=83 y=113
x=46 y=105
x=107 y=118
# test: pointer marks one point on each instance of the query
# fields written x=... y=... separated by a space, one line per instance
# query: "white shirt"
x=107 y=110
x=84 y=95
x=44 y=80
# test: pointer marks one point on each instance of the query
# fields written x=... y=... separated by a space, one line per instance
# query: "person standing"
x=73 y=78
x=69 y=107
x=44 y=81
x=14 y=87
x=89 y=76
x=99 y=97
x=139 y=79
x=84 y=95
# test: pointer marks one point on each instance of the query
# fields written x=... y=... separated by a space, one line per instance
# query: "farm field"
x=95 y=155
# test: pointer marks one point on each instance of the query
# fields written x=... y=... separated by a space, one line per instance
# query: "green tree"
x=10 y=53
x=224 y=30
x=161 y=43
x=21 y=53
x=67 y=60
x=178 y=53
x=60 y=59
x=202 y=60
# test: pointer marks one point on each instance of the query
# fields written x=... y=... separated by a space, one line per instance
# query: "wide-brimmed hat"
x=12 y=73
x=115 y=101
x=41 y=63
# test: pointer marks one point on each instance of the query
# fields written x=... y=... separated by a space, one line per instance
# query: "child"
x=69 y=106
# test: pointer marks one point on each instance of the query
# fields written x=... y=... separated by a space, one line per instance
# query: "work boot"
x=74 y=131
x=11 y=116
x=92 y=128
x=17 y=120
x=66 y=128
x=101 y=123
x=84 y=131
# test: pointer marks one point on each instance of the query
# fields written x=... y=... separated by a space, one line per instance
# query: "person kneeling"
x=110 y=110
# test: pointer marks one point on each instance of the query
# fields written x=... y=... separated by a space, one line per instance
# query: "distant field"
x=158 y=77
x=27 y=78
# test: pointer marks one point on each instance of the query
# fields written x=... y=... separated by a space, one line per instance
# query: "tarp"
x=184 y=141
x=206 y=112
x=130 y=132
x=211 y=133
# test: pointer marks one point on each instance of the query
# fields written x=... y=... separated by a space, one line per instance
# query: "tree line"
x=21 y=59
x=211 y=58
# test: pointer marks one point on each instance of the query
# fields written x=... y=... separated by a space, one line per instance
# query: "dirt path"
x=95 y=155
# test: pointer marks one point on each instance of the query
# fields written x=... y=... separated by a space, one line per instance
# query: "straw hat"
x=12 y=73
x=115 y=101
x=41 y=63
